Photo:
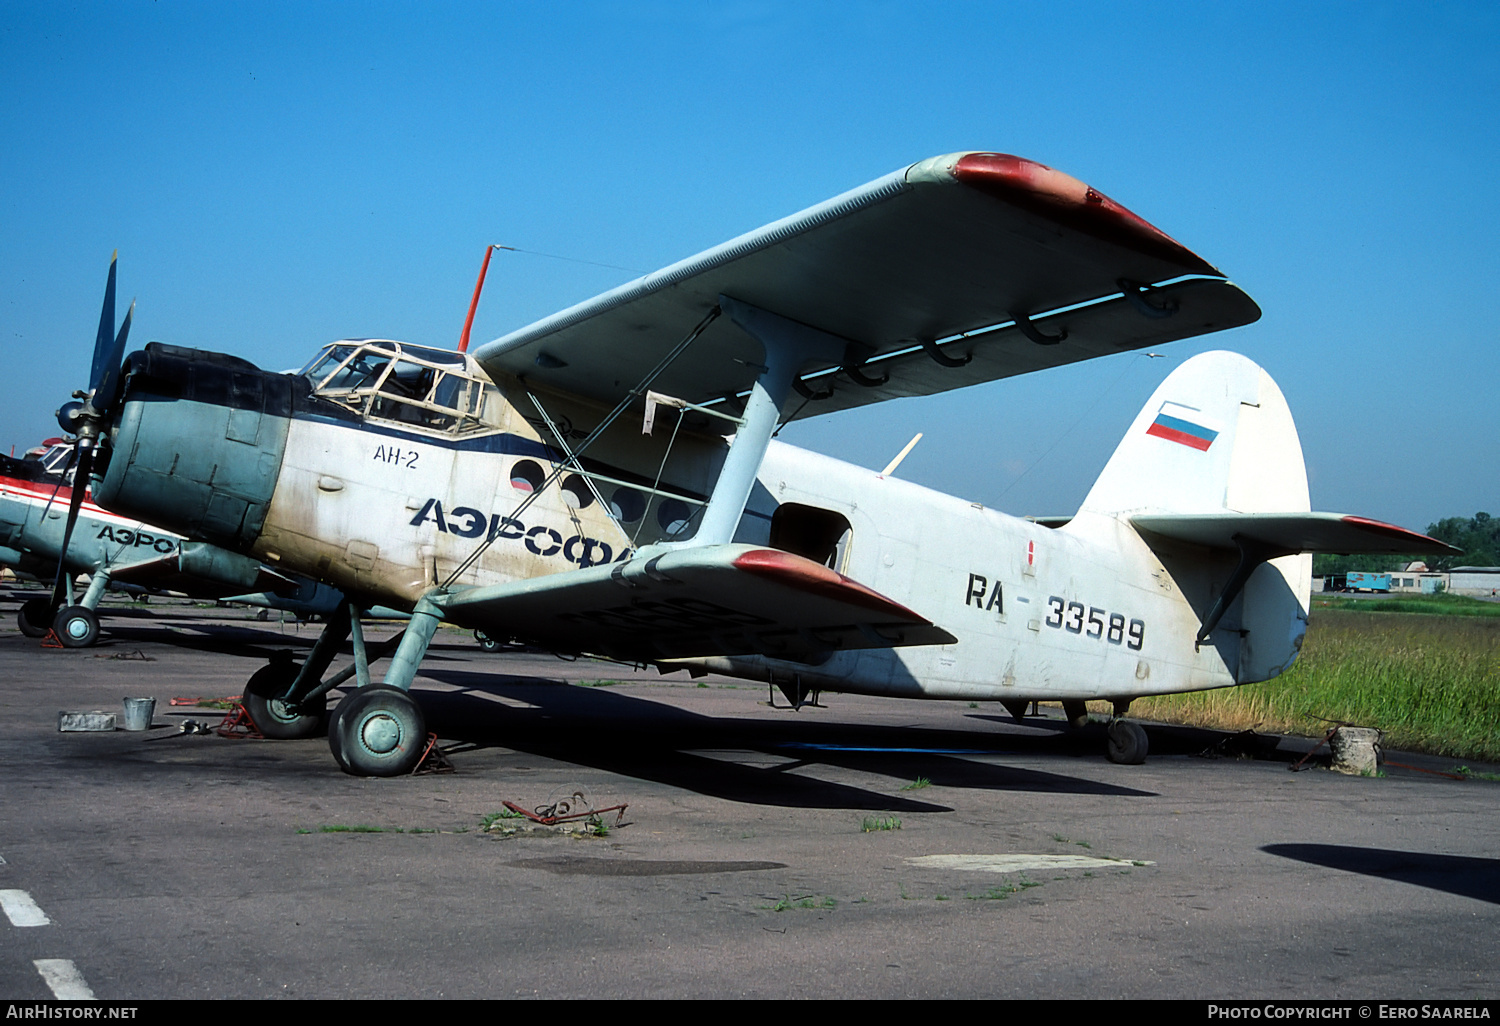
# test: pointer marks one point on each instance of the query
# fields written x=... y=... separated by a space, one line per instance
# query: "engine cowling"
x=198 y=442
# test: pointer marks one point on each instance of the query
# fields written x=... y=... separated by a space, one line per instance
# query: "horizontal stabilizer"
x=717 y=600
x=1290 y=533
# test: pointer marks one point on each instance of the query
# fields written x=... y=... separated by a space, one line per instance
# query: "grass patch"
x=918 y=784
x=1428 y=681
x=1441 y=604
x=1004 y=891
x=874 y=823
x=357 y=828
x=807 y=901
x=491 y=818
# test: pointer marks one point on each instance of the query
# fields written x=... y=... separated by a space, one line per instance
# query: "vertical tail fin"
x=1216 y=438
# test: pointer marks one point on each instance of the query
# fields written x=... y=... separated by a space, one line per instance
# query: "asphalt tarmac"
x=180 y=866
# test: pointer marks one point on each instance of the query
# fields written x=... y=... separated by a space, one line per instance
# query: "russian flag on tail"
x=1183 y=425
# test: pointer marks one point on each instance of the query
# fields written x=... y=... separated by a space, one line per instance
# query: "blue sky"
x=276 y=176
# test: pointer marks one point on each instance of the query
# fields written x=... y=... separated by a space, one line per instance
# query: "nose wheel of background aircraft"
x=76 y=627
x=1127 y=743
x=34 y=618
x=262 y=700
x=378 y=731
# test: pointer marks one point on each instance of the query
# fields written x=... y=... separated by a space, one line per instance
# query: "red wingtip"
x=802 y=573
x=1065 y=199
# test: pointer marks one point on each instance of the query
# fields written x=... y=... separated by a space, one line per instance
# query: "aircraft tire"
x=262 y=700
x=486 y=642
x=382 y=732
x=76 y=627
x=336 y=733
x=34 y=618
x=1127 y=743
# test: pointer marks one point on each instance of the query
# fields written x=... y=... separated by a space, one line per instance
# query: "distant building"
x=1476 y=581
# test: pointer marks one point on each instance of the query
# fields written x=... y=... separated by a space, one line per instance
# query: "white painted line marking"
x=1019 y=863
x=21 y=910
x=63 y=977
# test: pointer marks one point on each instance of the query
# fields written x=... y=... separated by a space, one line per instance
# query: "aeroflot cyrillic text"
x=467 y=522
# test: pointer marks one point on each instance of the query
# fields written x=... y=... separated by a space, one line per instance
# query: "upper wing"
x=1291 y=532
x=989 y=255
x=706 y=601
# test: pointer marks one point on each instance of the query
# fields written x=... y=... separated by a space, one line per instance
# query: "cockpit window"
x=431 y=389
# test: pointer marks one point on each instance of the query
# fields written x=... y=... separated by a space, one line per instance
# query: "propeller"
x=87 y=418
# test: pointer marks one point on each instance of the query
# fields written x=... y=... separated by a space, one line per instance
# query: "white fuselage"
x=1085 y=611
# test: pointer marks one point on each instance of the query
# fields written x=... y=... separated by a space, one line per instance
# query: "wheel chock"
x=239 y=726
x=433 y=760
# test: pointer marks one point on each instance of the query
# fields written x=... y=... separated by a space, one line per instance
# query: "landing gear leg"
x=1076 y=712
x=379 y=731
x=95 y=591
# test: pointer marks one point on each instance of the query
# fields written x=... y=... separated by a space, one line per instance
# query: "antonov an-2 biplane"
x=513 y=490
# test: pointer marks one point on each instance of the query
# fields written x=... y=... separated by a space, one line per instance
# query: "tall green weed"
x=1429 y=682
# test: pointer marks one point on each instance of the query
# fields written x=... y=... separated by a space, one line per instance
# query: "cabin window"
x=576 y=493
x=526 y=476
x=673 y=516
x=627 y=504
x=430 y=389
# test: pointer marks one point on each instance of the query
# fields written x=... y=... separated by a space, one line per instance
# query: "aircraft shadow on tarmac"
x=1464 y=875
x=635 y=737
x=250 y=639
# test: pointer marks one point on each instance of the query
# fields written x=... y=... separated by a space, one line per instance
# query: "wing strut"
x=788 y=346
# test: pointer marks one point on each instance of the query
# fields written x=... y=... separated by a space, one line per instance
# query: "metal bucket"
x=138 y=713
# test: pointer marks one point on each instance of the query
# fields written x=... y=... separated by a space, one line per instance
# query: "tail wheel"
x=486 y=642
x=1127 y=743
x=262 y=700
x=35 y=618
x=76 y=627
x=381 y=732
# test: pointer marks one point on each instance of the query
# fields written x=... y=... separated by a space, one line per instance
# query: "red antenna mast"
x=463 y=341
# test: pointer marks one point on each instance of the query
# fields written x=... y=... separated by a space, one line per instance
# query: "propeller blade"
x=80 y=485
x=106 y=327
x=107 y=387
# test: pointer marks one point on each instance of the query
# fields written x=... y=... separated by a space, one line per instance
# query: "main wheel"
x=1127 y=743
x=76 y=627
x=382 y=732
x=35 y=618
x=336 y=733
x=262 y=700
